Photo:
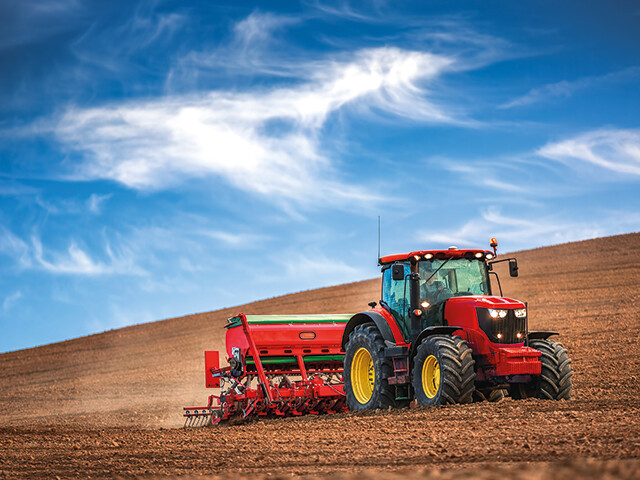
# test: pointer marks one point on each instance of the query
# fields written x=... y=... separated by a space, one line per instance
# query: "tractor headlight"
x=520 y=312
x=497 y=313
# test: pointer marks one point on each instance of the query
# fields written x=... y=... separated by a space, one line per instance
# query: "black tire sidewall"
x=534 y=388
x=424 y=350
x=364 y=338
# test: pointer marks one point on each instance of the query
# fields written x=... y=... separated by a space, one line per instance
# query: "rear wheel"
x=554 y=382
x=443 y=371
x=366 y=370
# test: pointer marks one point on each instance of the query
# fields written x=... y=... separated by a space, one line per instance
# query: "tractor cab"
x=430 y=279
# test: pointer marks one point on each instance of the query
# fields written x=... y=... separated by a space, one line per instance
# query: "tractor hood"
x=486 y=301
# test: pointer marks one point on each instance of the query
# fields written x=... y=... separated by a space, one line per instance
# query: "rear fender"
x=368 y=317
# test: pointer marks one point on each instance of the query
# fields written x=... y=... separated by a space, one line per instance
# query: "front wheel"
x=554 y=382
x=443 y=371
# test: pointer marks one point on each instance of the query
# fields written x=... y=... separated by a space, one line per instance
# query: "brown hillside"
x=139 y=377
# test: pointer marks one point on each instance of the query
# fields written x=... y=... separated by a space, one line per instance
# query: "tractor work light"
x=497 y=313
x=428 y=256
x=518 y=335
x=499 y=336
x=520 y=312
x=417 y=312
x=489 y=256
x=425 y=305
x=479 y=255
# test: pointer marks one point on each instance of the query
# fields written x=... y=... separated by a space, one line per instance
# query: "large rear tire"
x=554 y=382
x=366 y=370
x=443 y=371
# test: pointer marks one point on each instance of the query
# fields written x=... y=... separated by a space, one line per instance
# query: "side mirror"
x=397 y=271
x=513 y=267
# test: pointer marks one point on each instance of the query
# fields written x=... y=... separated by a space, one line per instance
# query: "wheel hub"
x=431 y=376
x=363 y=375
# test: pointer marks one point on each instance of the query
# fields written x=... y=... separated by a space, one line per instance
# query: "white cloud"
x=259 y=27
x=95 y=201
x=233 y=136
x=232 y=239
x=249 y=51
x=566 y=89
x=310 y=269
x=14 y=247
x=110 y=47
x=342 y=9
x=488 y=173
x=11 y=300
x=75 y=261
x=13 y=188
x=615 y=150
x=516 y=233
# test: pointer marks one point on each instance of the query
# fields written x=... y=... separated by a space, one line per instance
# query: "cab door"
x=395 y=293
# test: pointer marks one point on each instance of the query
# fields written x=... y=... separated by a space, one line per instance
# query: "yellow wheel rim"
x=363 y=375
x=430 y=376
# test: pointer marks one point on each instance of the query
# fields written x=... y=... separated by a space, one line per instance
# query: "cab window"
x=395 y=293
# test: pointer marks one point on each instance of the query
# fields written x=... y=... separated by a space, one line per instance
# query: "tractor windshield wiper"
x=438 y=269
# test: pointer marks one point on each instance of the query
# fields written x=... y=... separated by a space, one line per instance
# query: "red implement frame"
x=270 y=391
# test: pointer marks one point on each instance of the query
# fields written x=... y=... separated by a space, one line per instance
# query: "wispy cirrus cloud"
x=232 y=239
x=96 y=201
x=615 y=150
x=11 y=300
x=249 y=51
x=263 y=142
x=566 y=89
x=111 y=47
x=75 y=260
x=14 y=247
x=523 y=232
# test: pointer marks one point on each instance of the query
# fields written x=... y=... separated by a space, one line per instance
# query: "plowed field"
x=110 y=404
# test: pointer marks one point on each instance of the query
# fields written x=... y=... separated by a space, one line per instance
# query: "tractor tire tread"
x=457 y=373
x=369 y=335
x=554 y=382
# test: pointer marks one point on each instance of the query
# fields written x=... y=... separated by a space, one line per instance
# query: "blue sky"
x=160 y=158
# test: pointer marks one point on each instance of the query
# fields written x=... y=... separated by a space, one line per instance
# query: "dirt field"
x=109 y=404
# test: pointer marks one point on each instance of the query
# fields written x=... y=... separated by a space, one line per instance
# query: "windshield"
x=458 y=276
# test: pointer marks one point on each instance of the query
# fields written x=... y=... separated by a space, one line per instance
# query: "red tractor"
x=438 y=335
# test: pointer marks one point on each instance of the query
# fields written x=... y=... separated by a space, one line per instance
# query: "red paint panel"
x=211 y=361
x=236 y=338
x=397 y=334
x=518 y=361
x=448 y=254
x=313 y=337
x=287 y=339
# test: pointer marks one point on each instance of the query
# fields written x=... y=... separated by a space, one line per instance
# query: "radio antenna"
x=378 y=239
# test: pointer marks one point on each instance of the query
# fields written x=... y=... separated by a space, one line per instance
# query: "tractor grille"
x=507 y=327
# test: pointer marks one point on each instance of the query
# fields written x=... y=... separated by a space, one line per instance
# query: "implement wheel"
x=443 y=371
x=366 y=370
x=554 y=382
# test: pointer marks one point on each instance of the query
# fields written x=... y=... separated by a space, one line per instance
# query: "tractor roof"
x=438 y=254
